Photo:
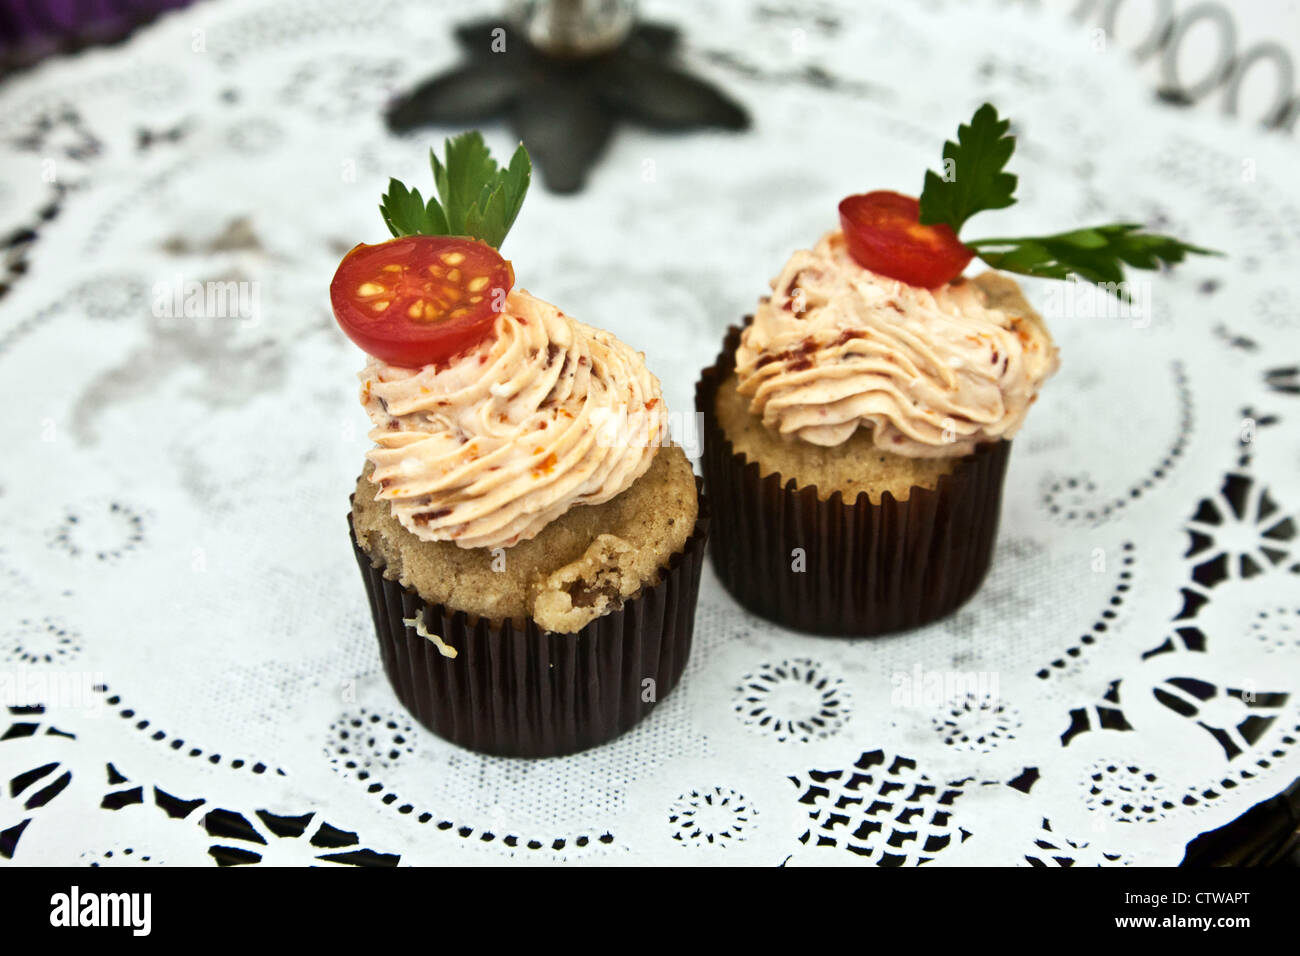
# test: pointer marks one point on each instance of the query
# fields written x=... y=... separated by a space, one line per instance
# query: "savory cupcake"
x=530 y=542
x=857 y=428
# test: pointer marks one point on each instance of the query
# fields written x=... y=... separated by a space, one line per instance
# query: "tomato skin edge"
x=883 y=233
x=415 y=326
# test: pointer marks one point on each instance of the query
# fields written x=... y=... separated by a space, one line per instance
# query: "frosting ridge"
x=932 y=373
x=489 y=448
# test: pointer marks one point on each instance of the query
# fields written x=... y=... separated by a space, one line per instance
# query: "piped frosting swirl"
x=932 y=373
x=485 y=451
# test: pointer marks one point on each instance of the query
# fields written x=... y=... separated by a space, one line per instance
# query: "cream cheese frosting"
x=487 y=449
x=932 y=373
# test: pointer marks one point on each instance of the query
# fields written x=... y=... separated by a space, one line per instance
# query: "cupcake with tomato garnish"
x=857 y=427
x=529 y=539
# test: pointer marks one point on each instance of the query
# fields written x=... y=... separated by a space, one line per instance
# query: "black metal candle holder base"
x=565 y=109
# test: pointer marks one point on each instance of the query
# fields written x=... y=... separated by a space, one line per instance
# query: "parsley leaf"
x=406 y=213
x=479 y=199
x=1097 y=254
x=973 y=178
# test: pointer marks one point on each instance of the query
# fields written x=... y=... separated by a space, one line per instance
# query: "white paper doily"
x=173 y=490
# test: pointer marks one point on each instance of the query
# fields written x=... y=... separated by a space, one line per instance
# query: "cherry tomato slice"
x=419 y=300
x=883 y=232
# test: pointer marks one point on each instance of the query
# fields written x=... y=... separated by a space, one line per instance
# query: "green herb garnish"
x=974 y=164
x=975 y=180
x=1094 y=254
x=479 y=199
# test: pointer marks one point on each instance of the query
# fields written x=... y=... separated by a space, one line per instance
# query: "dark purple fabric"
x=47 y=23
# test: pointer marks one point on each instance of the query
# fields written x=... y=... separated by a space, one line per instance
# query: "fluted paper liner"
x=866 y=568
x=526 y=692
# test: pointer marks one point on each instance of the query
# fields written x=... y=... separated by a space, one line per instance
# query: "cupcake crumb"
x=597 y=583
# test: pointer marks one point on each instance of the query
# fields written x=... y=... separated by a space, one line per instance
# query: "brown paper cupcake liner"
x=866 y=568
x=526 y=692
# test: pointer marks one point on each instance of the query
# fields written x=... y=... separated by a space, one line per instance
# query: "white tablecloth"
x=173 y=490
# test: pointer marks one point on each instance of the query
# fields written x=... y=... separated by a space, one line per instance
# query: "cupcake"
x=529 y=540
x=857 y=428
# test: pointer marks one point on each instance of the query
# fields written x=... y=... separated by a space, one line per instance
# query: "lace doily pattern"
x=187 y=670
x=882 y=809
x=793 y=700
